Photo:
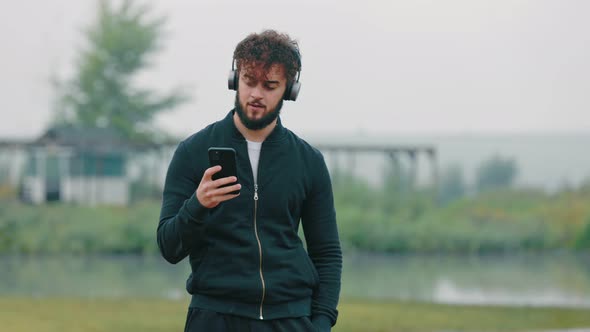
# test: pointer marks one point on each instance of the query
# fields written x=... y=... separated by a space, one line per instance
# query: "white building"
x=86 y=166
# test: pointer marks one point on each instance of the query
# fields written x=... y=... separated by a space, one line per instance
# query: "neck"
x=253 y=135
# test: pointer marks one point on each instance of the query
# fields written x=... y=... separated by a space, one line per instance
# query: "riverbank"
x=19 y=314
x=503 y=221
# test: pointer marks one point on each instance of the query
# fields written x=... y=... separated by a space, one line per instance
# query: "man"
x=250 y=271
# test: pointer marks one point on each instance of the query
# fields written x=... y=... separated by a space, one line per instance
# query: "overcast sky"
x=370 y=66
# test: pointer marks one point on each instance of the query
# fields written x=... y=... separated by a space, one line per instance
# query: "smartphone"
x=226 y=158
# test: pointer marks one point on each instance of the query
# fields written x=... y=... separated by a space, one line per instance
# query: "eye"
x=249 y=81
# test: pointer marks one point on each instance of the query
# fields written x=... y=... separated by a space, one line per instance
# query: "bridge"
x=391 y=151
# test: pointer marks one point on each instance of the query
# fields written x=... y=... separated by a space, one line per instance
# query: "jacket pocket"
x=198 y=267
x=310 y=268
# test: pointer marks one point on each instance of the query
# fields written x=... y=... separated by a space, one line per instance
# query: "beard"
x=259 y=123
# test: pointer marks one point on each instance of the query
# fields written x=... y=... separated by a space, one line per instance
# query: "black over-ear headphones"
x=292 y=90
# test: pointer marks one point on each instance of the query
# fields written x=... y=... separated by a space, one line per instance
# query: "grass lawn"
x=151 y=315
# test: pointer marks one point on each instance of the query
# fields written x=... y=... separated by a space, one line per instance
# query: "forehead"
x=275 y=72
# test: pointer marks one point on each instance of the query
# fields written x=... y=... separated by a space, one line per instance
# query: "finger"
x=223 y=181
x=227 y=197
x=210 y=171
x=224 y=190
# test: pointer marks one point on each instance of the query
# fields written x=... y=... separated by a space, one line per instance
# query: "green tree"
x=496 y=172
x=102 y=92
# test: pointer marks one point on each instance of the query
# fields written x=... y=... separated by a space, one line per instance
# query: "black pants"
x=200 y=320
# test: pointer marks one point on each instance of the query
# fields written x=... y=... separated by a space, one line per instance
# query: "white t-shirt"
x=254 y=154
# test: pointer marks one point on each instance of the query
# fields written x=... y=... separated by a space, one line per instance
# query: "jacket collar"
x=277 y=134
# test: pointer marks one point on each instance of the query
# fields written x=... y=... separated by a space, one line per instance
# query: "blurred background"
x=456 y=134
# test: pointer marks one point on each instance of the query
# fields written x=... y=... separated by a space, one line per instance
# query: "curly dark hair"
x=269 y=47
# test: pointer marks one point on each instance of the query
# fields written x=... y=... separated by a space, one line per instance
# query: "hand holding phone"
x=219 y=182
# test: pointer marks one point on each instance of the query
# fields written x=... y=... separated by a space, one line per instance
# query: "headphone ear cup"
x=232 y=80
x=292 y=91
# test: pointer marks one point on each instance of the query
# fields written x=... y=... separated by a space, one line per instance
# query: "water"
x=526 y=280
x=532 y=280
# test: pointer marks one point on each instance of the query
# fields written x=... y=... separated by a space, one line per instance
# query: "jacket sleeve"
x=181 y=216
x=323 y=246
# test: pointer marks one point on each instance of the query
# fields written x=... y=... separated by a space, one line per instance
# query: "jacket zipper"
x=259 y=249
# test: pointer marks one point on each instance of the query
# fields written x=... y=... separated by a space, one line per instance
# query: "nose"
x=256 y=92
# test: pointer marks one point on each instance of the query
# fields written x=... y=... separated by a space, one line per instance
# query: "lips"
x=256 y=106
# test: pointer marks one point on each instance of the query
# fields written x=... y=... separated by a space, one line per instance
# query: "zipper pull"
x=255 y=192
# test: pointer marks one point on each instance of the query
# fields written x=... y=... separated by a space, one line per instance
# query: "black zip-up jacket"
x=245 y=254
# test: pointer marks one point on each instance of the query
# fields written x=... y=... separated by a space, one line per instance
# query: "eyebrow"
x=252 y=77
